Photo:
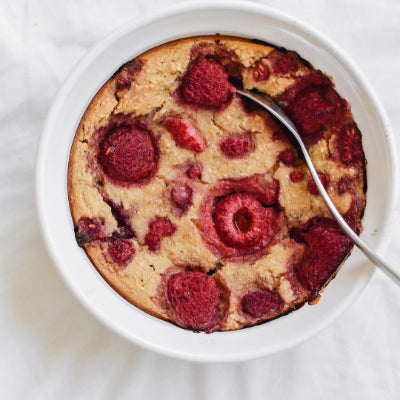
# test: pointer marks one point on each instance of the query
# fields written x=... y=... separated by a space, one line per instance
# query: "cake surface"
x=193 y=203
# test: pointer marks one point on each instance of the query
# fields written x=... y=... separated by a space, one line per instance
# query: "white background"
x=52 y=348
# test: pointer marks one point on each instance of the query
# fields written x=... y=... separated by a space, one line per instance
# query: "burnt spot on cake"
x=88 y=229
x=268 y=44
x=315 y=300
x=126 y=74
x=217 y=267
x=122 y=217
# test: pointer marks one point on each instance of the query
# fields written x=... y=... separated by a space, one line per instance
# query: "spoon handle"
x=276 y=111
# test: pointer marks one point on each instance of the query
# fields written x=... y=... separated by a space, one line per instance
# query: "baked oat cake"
x=192 y=202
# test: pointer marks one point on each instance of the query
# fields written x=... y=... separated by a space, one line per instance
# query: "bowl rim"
x=136 y=23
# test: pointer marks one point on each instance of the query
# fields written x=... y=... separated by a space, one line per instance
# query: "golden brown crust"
x=152 y=96
x=96 y=112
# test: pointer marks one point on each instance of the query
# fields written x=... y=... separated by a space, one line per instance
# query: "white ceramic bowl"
x=238 y=19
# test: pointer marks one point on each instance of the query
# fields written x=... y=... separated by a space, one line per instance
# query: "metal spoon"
x=267 y=103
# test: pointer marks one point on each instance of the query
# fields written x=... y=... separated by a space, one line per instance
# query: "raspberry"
x=128 y=153
x=287 y=156
x=241 y=221
x=313 y=104
x=311 y=111
x=349 y=144
x=194 y=171
x=185 y=134
x=127 y=72
x=236 y=146
x=259 y=304
x=326 y=247
x=123 y=83
x=296 y=176
x=195 y=298
x=240 y=226
x=158 y=228
x=261 y=71
x=288 y=62
x=312 y=186
x=182 y=196
x=121 y=251
x=88 y=229
x=316 y=80
x=207 y=84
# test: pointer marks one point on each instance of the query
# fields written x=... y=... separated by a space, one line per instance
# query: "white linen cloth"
x=52 y=348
